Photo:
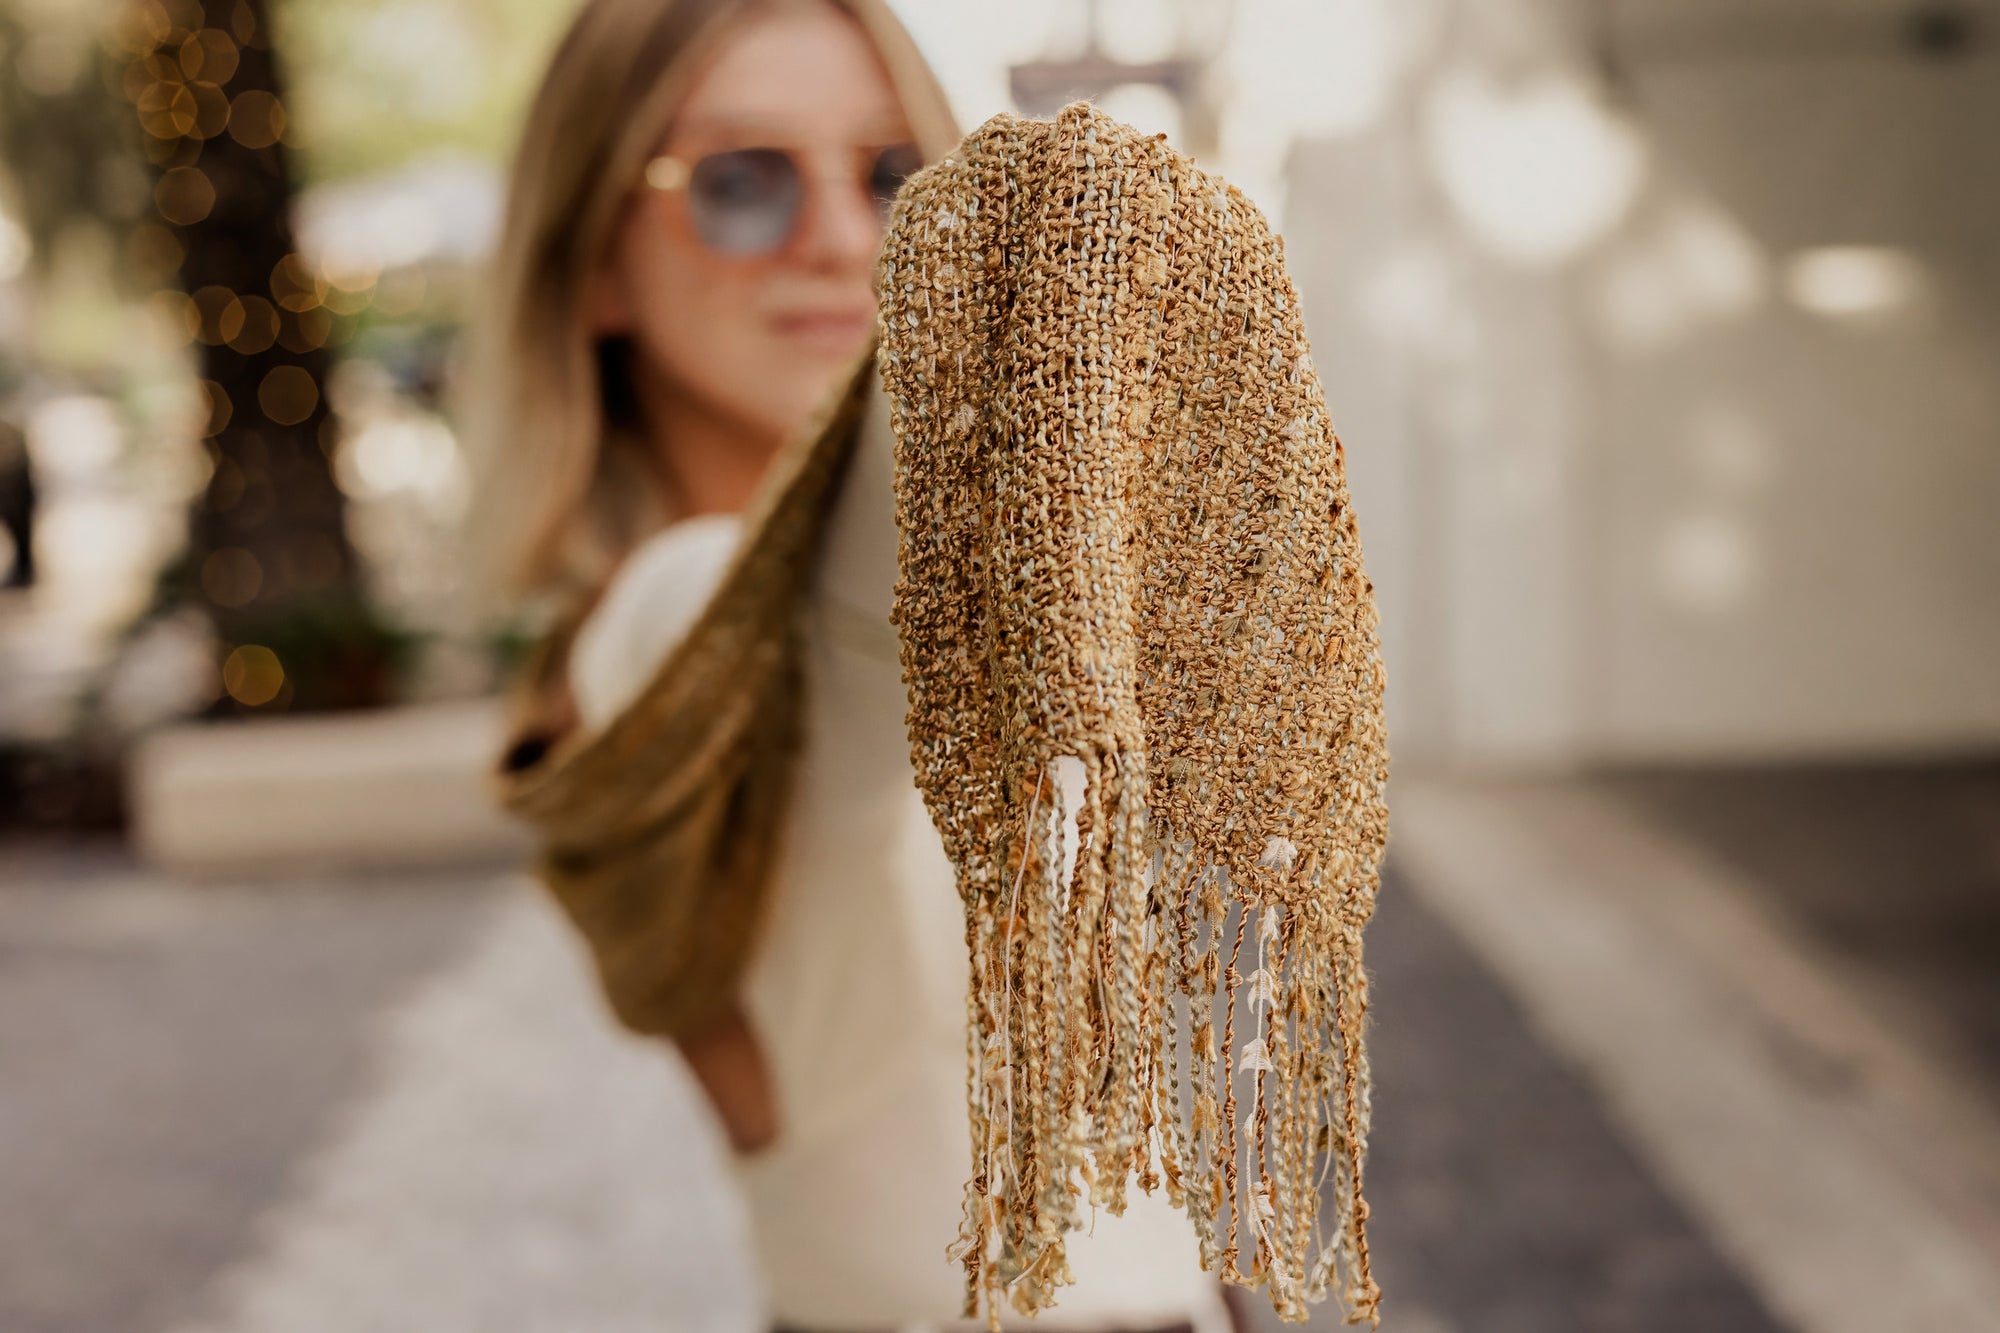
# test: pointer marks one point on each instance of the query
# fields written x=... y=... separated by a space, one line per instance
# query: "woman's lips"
x=827 y=328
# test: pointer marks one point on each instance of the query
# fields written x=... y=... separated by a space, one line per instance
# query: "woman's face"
x=757 y=340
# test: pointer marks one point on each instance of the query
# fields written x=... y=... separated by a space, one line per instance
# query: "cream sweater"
x=858 y=991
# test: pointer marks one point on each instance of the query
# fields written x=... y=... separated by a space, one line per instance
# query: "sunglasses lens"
x=892 y=167
x=744 y=202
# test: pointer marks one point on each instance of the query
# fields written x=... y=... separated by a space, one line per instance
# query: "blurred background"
x=1664 y=338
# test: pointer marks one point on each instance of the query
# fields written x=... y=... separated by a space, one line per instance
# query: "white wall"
x=1637 y=504
x=1855 y=468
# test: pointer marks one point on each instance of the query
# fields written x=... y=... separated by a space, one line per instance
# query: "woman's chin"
x=789 y=403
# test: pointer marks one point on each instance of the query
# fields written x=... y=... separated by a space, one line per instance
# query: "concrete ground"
x=1638 y=1068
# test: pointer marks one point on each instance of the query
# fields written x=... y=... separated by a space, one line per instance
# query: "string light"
x=167 y=110
x=261 y=316
x=253 y=675
x=163 y=152
x=306 y=330
x=257 y=326
x=350 y=294
x=150 y=22
x=256 y=119
x=210 y=54
x=243 y=26
x=296 y=285
x=185 y=195
x=211 y=110
x=220 y=409
x=211 y=305
x=288 y=394
x=146 y=75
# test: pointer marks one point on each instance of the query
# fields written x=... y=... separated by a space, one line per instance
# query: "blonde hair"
x=563 y=487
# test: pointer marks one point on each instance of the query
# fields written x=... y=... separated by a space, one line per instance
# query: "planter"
x=391 y=788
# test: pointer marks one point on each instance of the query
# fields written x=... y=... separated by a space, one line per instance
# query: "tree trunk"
x=270 y=557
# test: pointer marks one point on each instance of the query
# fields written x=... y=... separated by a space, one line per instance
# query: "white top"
x=647 y=609
x=858 y=991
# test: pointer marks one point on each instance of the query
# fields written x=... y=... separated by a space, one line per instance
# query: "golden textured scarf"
x=1126 y=543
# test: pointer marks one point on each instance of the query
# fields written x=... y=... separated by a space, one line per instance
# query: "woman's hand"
x=731 y=1069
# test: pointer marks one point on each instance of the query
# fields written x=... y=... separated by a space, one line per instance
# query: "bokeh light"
x=256 y=326
x=74 y=435
x=167 y=110
x=231 y=577
x=152 y=75
x=297 y=285
x=148 y=23
x=215 y=307
x=1708 y=562
x=185 y=195
x=288 y=394
x=256 y=119
x=253 y=675
x=350 y=291
x=243 y=25
x=210 y=55
x=1539 y=170
x=306 y=330
x=219 y=409
x=409 y=454
x=1854 y=282
x=211 y=110
x=1683 y=270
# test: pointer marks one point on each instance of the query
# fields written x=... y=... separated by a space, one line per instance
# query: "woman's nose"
x=843 y=226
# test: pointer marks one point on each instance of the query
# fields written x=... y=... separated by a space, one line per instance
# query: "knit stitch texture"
x=1126 y=540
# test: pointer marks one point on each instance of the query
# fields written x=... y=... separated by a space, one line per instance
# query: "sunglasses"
x=748 y=201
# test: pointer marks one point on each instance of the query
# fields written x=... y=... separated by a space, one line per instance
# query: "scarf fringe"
x=1115 y=1033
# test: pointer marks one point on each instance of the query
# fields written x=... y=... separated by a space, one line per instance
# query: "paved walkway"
x=1505 y=1199
x=391 y=1106
x=399 y=1106
x=1893 y=872
x=513 y=1164
x=1848 y=1168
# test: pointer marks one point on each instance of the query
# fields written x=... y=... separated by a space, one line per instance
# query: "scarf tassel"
x=1137 y=1014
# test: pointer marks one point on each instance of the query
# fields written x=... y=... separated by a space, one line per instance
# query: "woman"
x=685 y=282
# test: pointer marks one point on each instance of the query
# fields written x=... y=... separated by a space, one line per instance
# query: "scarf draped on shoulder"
x=658 y=832
x=1127 y=543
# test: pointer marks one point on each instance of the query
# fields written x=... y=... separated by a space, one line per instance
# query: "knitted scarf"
x=1127 y=544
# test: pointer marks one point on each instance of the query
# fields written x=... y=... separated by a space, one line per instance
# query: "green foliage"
x=377 y=82
x=64 y=132
x=338 y=651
